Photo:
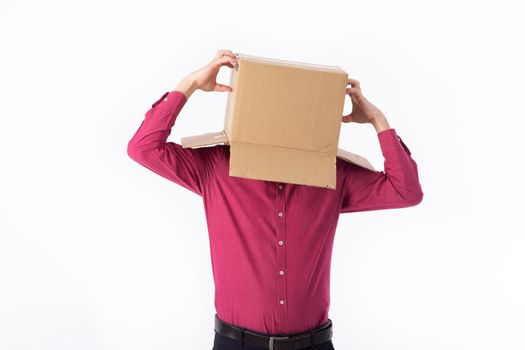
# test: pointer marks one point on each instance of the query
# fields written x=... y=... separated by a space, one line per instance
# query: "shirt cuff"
x=171 y=100
x=390 y=141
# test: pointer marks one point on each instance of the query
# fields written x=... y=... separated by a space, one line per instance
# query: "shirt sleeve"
x=188 y=167
x=397 y=186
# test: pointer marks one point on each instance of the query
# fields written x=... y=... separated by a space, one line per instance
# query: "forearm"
x=157 y=123
x=149 y=146
x=380 y=123
x=187 y=86
x=397 y=186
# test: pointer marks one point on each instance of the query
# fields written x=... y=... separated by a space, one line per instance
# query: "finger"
x=226 y=61
x=354 y=82
x=355 y=95
x=229 y=53
x=222 y=53
x=347 y=118
x=222 y=88
x=353 y=91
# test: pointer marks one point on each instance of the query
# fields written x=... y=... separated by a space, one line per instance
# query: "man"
x=270 y=242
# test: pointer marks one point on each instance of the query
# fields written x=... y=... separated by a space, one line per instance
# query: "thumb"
x=222 y=88
x=347 y=118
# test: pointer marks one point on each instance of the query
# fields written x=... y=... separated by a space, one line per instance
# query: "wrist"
x=187 y=86
x=380 y=123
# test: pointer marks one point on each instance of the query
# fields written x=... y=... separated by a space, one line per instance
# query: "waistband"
x=296 y=341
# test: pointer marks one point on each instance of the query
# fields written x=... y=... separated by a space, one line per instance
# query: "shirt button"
x=280 y=187
x=281 y=272
x=280 y=213
x=165 y=98
x=282 y=302
x=281 y=242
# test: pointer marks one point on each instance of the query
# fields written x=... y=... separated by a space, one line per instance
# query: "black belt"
x=313 y=337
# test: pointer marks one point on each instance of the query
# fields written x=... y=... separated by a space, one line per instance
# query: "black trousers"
x=224 y=343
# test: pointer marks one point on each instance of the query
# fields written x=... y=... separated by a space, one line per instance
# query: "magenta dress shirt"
x=270 y=242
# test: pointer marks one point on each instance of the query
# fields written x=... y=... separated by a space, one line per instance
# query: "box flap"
x=355 y=158
x=210 y=138
x=270 y=163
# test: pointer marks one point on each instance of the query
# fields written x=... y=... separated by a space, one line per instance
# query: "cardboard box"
x=282 y=122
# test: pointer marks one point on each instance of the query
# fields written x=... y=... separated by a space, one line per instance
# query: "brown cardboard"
x=282 y=122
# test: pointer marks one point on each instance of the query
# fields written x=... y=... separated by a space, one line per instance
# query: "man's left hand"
x=363 y=111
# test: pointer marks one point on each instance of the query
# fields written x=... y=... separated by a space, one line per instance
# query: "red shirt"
x=271 y=243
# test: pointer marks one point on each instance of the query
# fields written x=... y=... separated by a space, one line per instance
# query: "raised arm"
x=188 y=167
x=397 y=186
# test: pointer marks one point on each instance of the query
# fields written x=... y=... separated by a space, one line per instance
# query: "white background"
x=97 y=252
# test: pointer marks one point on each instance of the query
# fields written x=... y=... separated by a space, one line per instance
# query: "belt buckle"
x=271 y=342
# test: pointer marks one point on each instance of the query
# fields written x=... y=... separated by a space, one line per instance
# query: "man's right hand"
x=205 y=78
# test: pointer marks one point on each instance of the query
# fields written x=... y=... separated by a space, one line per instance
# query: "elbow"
x=133 y=151
x=409 y=192
x=413 y=197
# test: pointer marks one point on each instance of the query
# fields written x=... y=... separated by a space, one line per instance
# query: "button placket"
x=281 y=255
